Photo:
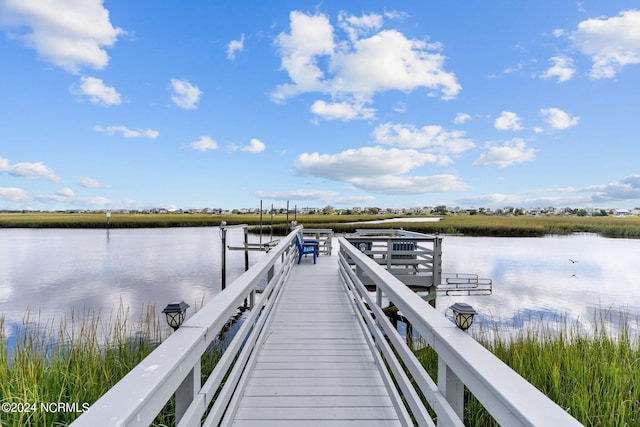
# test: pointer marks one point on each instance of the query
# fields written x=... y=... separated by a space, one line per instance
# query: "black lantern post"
x=463 y=315
x=175 y=313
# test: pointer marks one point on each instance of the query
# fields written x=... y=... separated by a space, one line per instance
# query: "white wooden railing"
x=174 y=367
x=509 y=398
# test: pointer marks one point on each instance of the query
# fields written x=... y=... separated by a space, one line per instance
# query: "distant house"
x=622 y=212
x=307 y=211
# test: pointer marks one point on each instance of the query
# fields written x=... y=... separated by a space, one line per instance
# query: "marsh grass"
x=594 y=376
x=470 y=225
x=77 y=359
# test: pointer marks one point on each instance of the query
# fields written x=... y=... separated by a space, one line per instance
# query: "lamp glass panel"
x=463 y=320
x=175 y=319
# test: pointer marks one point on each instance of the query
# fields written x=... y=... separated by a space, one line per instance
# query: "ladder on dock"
x=316 y=349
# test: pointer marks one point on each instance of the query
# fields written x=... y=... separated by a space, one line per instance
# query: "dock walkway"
x=316 y=349
x=315 y=367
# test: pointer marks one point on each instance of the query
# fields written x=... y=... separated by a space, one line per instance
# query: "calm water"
x=534 y=278
x=55 y=271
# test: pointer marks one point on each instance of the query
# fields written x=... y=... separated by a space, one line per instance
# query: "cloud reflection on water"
x=55 y=271
x=533 y=278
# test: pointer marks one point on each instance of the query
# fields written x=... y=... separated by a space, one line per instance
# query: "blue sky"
x=120 y=104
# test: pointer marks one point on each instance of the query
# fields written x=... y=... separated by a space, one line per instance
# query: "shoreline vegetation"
x=75 y=361
x=593 y=376
x=469 y=225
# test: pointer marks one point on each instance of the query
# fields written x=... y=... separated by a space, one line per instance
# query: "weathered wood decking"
x=315 y=367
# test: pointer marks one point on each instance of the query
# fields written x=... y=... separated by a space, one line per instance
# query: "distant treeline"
x=469 y=225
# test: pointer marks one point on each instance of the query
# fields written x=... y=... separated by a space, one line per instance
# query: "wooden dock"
x=315 y=367
x=316 y=349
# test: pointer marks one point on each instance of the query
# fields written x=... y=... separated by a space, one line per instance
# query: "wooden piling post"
x=224 y=255
x=246 y=248
x=287 y=220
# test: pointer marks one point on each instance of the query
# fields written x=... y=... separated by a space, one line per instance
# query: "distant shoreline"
x=392 y=220
x=468 y=225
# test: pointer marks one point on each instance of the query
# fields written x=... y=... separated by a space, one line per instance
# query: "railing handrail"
x=141 y=394
x=508 y=397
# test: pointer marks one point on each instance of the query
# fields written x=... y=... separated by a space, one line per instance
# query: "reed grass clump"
x=75 y=361
x=593 y=375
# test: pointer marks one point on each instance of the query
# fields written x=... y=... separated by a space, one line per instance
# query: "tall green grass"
x=594 y=376
x=76 y=360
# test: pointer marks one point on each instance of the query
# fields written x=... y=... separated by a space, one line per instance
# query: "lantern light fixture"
x=175 y=313
x=463 y=315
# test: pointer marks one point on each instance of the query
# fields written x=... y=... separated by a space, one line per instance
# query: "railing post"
x=224 y=257
x=437 y=268
x=187 y=391
x=451 y=387
x=246 y=248
x=437 y=260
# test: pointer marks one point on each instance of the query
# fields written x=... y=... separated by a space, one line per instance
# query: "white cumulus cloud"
x=611 y=43
x=353 y=69
x=342 y=110
x=364 y=162
x=255 y=146
x=204 y=143
x=97 y=92
x=508 y=121
x=90 y=183
x=28 y=170
x=562 y=69
x=510 y=153
x=411 y=184
x=389 y=60
x=69 y=34
x=558 y=119
x=431 y=138
x=235 y=46
x=127 y=132
x=461 y=118
x=356 y=26
x=184 y=94
x=13 y=194
x=310 y=37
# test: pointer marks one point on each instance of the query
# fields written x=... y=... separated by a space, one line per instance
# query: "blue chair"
x=305 y=248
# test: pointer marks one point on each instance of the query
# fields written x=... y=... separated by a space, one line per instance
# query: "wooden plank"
x=315 y=365
x=316 y=358
x=317 y=381
x=317 y=401
x=312 y=413
x=315 y=391
x=318 y=334
x=301 y=352
x=316 y=423
x=336 y=372
x=313 y=346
